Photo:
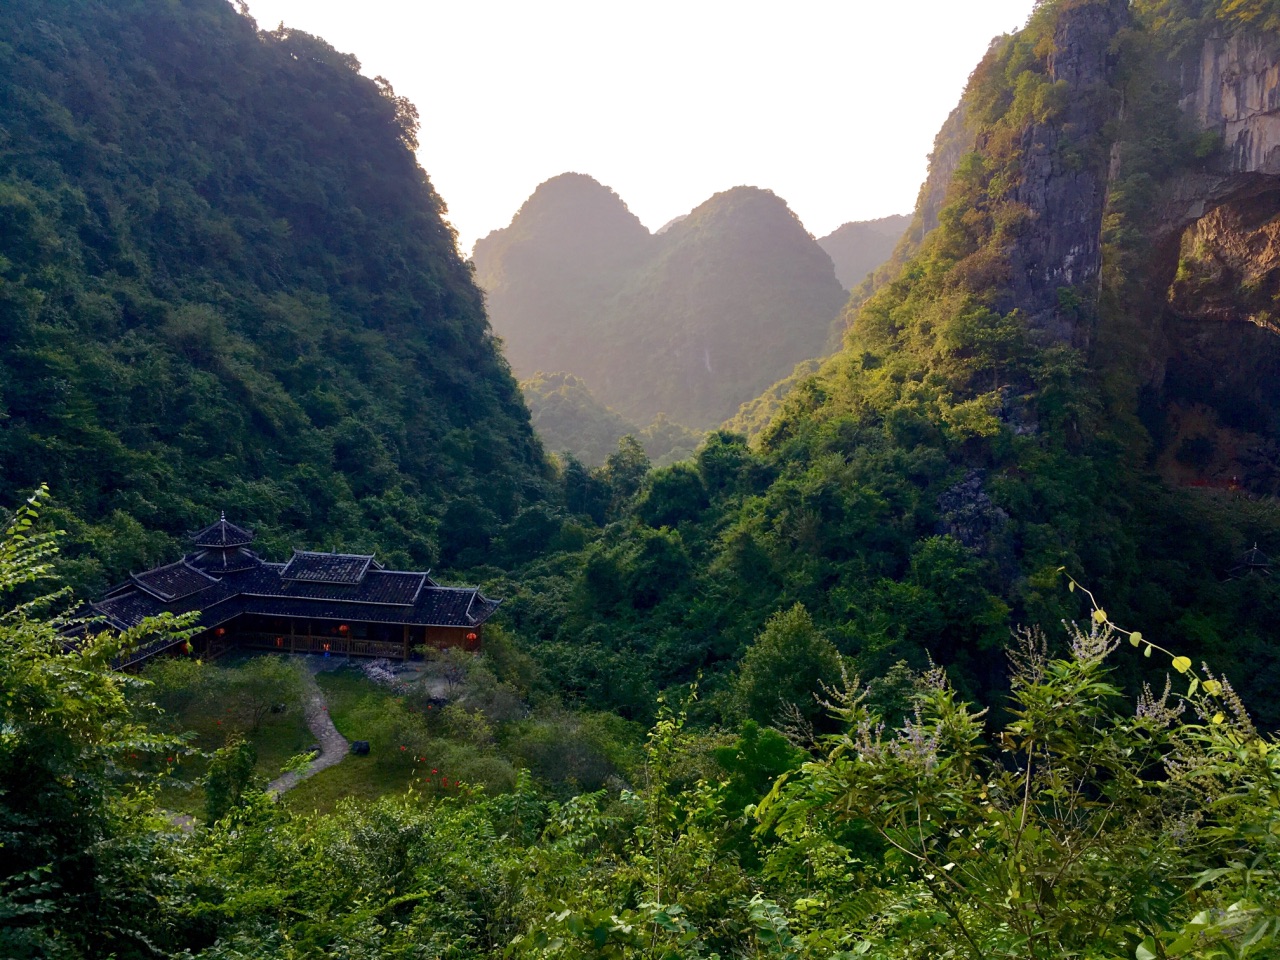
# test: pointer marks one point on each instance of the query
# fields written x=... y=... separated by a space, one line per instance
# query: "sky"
x=831 y=104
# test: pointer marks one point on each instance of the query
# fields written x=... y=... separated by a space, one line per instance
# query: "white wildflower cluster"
x=382 y=673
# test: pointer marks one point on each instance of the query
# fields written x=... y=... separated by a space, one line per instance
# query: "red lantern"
x=471 y=637
x=343 y=628
x=220 y=632
x=279 y=641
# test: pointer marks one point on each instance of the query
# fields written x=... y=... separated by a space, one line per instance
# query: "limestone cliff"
x=1215 y=237
x=1236 y=93
x=1065 y=172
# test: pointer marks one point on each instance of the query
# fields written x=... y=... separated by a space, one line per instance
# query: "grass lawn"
x=364 y=778
x=278 y=737
x=357 y=777
x=343 y=689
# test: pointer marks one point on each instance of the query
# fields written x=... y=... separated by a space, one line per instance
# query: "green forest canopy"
x=226 y=284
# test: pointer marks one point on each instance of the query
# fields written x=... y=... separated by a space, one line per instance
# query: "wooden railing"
x=335 y=646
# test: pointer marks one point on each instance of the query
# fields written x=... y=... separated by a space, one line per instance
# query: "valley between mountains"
x=702 y=592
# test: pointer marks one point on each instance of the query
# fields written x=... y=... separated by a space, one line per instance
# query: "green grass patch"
x=360 y=777
x=213 y=703
x=344 y=690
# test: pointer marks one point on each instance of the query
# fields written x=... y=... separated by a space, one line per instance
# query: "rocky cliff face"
x=1236 y=93
x=1065 y=172
x=1231 y=89
x=1216 y=259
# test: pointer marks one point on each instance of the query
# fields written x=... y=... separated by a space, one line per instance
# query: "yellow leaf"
x=1182 y=664
x=1135 y=638
x=1071 y=586
x=1147 y=652
x=1212 y=687
x=1218 y=718
x=1099 y=616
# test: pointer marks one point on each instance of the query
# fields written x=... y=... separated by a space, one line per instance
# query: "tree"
x=624 y=471
x=785 y=667
x=70 y=740
x=254 y=688
x=230 y=774
x=674 y=495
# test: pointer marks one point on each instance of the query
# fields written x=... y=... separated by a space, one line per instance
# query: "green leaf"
x=1147 y=652
x=1135 y=638
x=1195 y=685
x=1144 y=952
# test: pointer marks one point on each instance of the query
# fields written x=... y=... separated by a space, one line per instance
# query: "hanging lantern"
x=343 y=628
x=279 y=641
x=220 y=632
x=472 y=637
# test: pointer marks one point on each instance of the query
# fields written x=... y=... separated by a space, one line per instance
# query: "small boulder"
x=360 y=747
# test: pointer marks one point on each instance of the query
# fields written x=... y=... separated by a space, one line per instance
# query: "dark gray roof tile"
x=348 y=568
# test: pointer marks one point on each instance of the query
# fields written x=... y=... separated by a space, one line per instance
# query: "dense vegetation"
x=919 y=492
x=689 y=322
x=569 y=420
x=1087 y=831
x=904 y=505
x=226 y=283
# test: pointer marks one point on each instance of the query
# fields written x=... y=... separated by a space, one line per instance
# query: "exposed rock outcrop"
x=1237 y=94
x=968 y=513
x=1232 y=89
x=1065 y=173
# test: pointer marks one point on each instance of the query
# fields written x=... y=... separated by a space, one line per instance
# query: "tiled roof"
x=218 y=561
x=348 y=568
x=382 y=596
x=222 y=534
x=377 y=586
x=173 y=582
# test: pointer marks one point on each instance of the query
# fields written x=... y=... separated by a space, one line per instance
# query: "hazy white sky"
x=832 y=104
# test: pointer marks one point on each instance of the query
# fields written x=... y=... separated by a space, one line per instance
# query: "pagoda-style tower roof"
x=222 y=535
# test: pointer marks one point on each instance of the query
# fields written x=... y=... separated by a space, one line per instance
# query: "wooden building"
x=337 y=603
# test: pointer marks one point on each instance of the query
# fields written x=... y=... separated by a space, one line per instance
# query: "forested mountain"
x=858 y=248
x=546 y=276
x=1056 y=407
x=1071 y=366
x=226 y=283
x=690 y=322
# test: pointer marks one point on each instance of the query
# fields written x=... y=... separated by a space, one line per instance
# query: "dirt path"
x=333 y=745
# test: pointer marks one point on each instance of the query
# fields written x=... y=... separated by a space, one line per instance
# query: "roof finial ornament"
x=224 y=517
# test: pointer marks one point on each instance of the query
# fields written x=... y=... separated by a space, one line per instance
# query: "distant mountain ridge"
x=689 y=322
x=859 y=247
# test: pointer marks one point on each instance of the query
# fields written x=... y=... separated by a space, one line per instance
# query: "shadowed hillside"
x=225 y=282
